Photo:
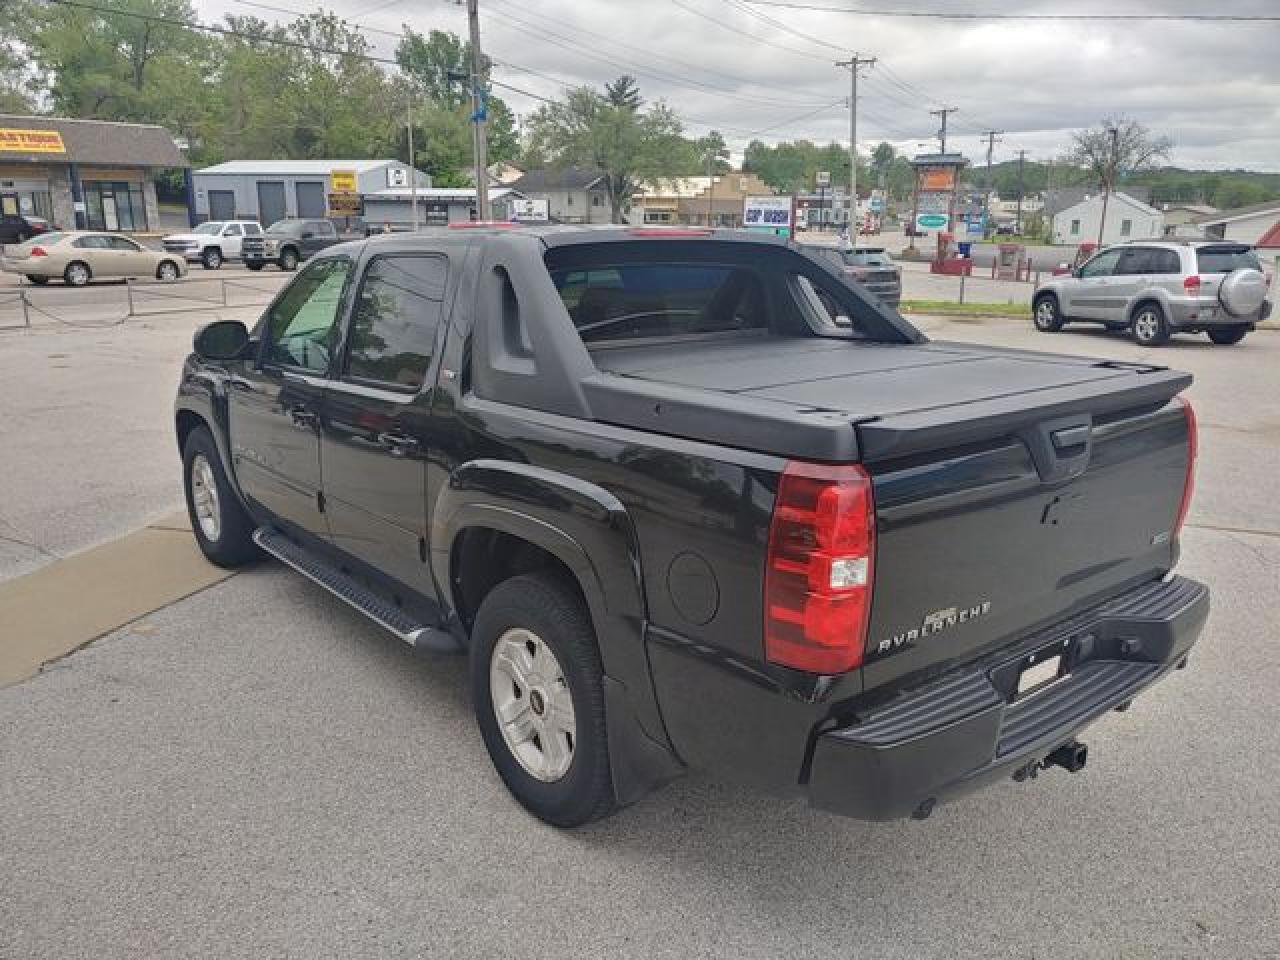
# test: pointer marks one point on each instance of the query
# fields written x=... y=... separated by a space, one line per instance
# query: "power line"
x=972 y=15
x=942 y=134
x=779 y=25
x=724 y=25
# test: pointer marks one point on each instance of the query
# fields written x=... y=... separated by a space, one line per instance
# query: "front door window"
x=302 y=325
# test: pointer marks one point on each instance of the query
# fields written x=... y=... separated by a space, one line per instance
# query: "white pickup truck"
x=213 y=242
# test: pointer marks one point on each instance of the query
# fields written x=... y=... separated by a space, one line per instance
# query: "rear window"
x=867 y=258
x=1226 y=259
x=639 y=300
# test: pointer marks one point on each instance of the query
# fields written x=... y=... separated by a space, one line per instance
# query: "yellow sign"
x=345 y=205
x=31 y=141
x=344 y=181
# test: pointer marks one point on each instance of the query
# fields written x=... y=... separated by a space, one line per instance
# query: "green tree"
x=439 y=63
x=18 y=82
x=712 y=153
x=629 y=147
x=624 y=92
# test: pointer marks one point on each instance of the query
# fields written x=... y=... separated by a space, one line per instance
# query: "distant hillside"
x=1218 y=188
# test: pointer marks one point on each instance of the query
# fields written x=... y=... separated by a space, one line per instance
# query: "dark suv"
x=286 y=243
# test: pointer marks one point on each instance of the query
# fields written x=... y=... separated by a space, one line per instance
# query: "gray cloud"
x=1213 y=87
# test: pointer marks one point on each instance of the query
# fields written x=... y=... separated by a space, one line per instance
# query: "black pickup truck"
x=691 y=499
x=287 y=243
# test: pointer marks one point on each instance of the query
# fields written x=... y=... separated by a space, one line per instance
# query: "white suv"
x=212 y=243
x=1155 y=288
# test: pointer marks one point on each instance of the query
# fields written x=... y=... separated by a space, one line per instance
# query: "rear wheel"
x=211 y=258
x=536 y=687
x=1046 y=314
x=1149 y=326
x=289 y=259
x=1225 y=336
x=77 y=274
x=222 y=528
x=167 y=271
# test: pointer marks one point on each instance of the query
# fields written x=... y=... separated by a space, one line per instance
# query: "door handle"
x=399 y=444
x=302 y=418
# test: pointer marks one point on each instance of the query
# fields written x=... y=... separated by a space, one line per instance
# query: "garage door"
x=222 y=205
x=270 y=202
x=311 y=200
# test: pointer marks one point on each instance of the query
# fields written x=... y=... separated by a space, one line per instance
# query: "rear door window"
x=1226 y=259
x=394 y=322
x=641 y=300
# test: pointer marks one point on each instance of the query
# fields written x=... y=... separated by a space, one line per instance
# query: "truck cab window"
x=301 y=326
x=394 y=323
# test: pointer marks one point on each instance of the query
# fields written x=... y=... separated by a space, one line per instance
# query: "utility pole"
x=942 y=134
x=1107 y=180
x=1022 y=157
x=711 y=188
x=479 y=108
x=992 y=136
x=854 y=63
x=413 y=167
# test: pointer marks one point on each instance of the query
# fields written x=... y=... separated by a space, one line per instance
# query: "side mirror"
x=221 y=341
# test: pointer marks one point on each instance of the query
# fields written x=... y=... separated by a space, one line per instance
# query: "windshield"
x=211 y=227
x=1226 y=259
x=283 y=227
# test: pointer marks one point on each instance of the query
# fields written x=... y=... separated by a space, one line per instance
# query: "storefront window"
x=114 y=206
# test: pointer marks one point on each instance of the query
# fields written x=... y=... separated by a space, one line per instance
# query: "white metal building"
x=1127 y=219
x=270 y=190
x=437 y=206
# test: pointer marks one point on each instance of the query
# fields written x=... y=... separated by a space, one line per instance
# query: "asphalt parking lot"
x=257 y=771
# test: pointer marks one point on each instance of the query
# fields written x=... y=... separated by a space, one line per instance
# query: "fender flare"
x=202 y=393
x=590 y=531
x=1152 y=294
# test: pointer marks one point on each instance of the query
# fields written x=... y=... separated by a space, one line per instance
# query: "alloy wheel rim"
x=532 y=704
x=1044 y=313
x=168 y=271
x=204 y=497
x=1146 y=325
x=79 y=275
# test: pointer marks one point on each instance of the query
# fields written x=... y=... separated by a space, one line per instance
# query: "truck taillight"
x=1191 y=284
x=1193 y=449
x=819 y=568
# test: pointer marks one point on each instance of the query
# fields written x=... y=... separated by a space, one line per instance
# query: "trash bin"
x=966 y=248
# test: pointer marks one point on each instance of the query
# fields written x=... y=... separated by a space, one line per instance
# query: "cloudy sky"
x=760 y=69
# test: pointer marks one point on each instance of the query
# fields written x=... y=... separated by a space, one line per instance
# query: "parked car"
x=692 y=498
x=870 y=266
x=1156 y=288
x=18 y=228
x=213 y=243
x=286 y=243
x=77 y=257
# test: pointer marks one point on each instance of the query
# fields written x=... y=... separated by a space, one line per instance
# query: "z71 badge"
x=933 y=623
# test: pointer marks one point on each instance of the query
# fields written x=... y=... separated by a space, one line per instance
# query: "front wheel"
x=536 y=684
x=1149 y=326
x=222 y=528
x=289 y=260
x=1226 y=336
x=1046 y=314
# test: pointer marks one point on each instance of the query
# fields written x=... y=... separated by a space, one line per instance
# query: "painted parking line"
x=61 y=607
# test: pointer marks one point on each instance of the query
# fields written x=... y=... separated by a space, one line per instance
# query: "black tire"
x=77 y=274
x=255 y=267
x=1226 y=336
x=233 y=546
x=37 y=279
x=289 y=259
x=168 y=271
x=211 y=258
x=1046 y=314
x=1148 y=325
x=551 y=610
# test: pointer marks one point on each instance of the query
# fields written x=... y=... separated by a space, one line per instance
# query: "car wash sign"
x=769 y=215
x=31 y=141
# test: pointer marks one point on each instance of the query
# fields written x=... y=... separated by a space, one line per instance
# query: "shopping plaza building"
x=84 y=174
